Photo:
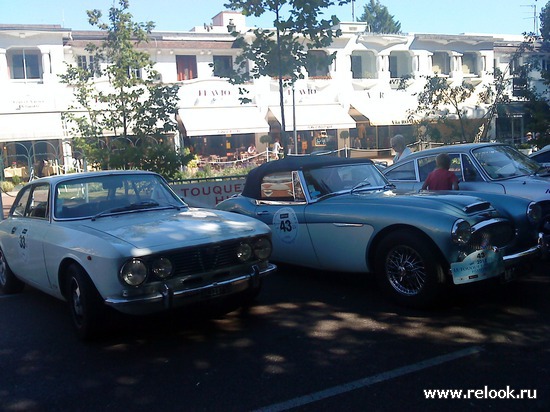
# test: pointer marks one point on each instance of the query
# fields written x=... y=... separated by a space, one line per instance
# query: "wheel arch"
x=372 y=254
x=63 y=273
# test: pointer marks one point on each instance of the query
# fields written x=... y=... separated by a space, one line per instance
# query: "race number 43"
x=285 y=225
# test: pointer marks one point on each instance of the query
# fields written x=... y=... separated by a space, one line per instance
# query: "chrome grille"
x=494 y=232
x=202 y=259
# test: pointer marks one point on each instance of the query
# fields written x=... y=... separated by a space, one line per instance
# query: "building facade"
x=358 y=101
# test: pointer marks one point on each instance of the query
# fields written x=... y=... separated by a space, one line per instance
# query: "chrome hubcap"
x=77 y=304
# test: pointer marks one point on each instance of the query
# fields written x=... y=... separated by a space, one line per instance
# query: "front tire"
x=85 y=303
x=409 y=270
x=9 y=284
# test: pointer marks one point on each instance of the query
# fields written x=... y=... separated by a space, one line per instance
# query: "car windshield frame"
x=501 y=162
x=343 y=178
x=90 y=197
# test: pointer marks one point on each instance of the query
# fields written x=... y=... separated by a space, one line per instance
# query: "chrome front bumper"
x=168 y=297
x=537 y=251
x=481 y=265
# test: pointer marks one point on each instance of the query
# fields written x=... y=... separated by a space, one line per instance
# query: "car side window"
x=425 y=166
x=32 y=202
x=469 y=171
x=404 y=171
x=38 y=206
x=277 y=186
x=20 y=205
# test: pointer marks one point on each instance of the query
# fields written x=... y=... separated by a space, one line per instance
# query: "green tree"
x=121 y=126
x=379 y=19
x=439 y=101
x=283 y=53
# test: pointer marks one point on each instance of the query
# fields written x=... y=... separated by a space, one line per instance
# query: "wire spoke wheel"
x=406 y=270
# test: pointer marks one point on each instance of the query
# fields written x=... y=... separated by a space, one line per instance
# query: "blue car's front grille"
x=499 y=233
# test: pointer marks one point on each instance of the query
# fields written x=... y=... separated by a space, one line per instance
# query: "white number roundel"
x=285 y=225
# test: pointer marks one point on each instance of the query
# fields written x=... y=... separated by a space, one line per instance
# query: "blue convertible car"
x=342 y=215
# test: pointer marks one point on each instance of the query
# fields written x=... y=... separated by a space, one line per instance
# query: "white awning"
x=209 y=121
x=315 y=117
x=30 y=126
x=383 y=113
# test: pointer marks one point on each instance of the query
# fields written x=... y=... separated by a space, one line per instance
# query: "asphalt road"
x=314 y=342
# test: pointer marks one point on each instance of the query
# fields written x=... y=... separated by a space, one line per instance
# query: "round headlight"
x=244 y=252
x=162 y=267
x=461 y=232
x=534 y=213
x=134 y=272
x=262 y=248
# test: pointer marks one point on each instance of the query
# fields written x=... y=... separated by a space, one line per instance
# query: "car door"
x=404 y=176
x=472 y=179
x=282 y=207
x=29 y=223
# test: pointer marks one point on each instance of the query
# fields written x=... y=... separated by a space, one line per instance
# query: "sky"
x=415 y=16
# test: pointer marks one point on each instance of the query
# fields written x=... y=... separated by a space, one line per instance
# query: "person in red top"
x=441 y=178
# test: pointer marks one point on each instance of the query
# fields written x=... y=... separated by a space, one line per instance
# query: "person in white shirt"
x=399 y=146
x=277 y=148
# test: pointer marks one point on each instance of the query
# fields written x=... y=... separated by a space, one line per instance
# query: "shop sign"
x=208 y=194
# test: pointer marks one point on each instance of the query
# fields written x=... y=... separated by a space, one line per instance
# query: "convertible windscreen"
x=103 y=195
x=333 y=179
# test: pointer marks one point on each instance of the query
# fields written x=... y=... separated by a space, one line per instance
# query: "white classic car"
x=123 y=239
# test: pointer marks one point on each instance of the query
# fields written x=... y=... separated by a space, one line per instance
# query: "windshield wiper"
x=360 y=185
x=133 y=206
x=364 y=184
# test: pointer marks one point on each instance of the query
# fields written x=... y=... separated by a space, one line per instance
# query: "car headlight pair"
x=135 y=271
x=260 y=248
x=461 y=232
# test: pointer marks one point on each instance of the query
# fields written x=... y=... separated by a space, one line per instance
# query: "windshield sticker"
x=285 y=225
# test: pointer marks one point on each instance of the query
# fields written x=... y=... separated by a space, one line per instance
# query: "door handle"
x=262 y=213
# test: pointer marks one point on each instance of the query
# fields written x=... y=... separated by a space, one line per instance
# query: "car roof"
x=454 y=148
x=54 y=179
x=290 y=163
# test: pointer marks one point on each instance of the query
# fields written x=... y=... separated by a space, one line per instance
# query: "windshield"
x=503 y=162
x=112 y=193
x=333 y=179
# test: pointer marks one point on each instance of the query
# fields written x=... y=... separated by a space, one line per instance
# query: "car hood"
x=533 y=187
x=151 y=229
x=450 y=202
